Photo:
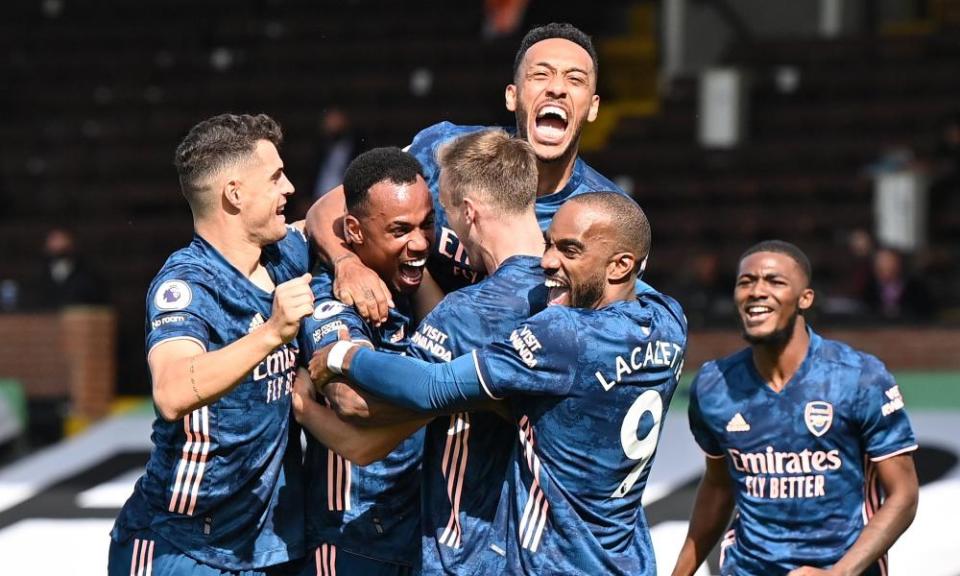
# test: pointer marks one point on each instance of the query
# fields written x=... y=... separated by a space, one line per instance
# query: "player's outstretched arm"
x=710 y=515
x=360 y=445
x=354 y=283
x=898 y=475
x=406 y=382
x=185 y=377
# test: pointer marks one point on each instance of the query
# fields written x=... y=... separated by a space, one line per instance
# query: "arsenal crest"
x=818 y=416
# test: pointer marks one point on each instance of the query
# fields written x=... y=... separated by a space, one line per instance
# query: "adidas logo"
x=255 y=322
x=737 y=424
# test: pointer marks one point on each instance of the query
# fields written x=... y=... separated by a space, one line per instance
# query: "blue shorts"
x=147 y=554
x=328 y=560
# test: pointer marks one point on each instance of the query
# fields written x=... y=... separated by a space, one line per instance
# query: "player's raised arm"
x=186 y=377
x=355 y=284
x=711 y=512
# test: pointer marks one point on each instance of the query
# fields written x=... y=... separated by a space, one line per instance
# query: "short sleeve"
x=885 y=426
x=323 y=326
x=698 y=425
x=182 y=303
x=540 y=357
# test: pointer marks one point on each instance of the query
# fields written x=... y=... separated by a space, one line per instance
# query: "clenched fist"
x=292 y=302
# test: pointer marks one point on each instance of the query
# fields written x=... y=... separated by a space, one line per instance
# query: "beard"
x=588 y=293
x=778 y=338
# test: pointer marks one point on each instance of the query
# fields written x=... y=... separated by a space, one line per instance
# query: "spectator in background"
x=704 y=292
x=338 y=145
x=66 y=278
x=892 y=294
x=503 y=17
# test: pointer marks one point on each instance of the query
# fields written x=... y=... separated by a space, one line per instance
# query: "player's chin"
x=550 y=152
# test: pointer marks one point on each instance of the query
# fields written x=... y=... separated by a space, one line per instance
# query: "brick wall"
x=67 y=354
x=900 y=348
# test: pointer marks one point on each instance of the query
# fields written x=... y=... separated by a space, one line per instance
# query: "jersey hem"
x=483 y=383
x=895 y=453
x=171 y=339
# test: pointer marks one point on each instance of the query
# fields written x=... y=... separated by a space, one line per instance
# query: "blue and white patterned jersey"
x=466 y=454
x=448 y=260
x=588 y=389
x=374 y=510
x=223 y=484
x=802 y=459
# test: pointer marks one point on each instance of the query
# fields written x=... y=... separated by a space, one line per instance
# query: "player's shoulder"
x=593 y=181
x=439 y=133
x=321 y=283
x=188 y=264
x=562 y=323
x=185 y=279
x=666 y=310
x=716 y=372
x=843 y=356
x=868 y=368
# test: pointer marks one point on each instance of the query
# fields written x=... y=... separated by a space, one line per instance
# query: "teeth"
x=757 y=309
x=551 y=283
x=553 y=110
x=415 y=263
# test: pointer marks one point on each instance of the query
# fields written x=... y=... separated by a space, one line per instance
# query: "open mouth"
x=757 y=313
x=558 y=293
x=280 y=212
x=411 y=271
x=551 y=123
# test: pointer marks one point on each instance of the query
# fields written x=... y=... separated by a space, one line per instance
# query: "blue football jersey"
x=466 y=454
x=588 y=389
x=224 y=483
x=374 y=510
x=802 y=459
x=448 y=261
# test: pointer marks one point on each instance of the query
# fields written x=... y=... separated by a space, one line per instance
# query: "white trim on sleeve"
x=892 y=454
x=171 y=339
x=476 y=364
x=713 y=456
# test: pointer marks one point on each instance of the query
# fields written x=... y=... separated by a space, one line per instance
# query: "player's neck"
x=553 y=176
x=236 y=248
x=504 y=238
x=778 y=362
x=622 y=291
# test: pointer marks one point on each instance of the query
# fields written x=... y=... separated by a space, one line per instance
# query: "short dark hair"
x=377 y=165
x=218 y=141
x=785 y=248
x=629 y=224
x=563 y=30
x=494 y=165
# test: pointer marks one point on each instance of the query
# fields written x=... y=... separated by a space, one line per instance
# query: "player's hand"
x=345 y=401
x=303 y=394
x=356 y=285
x=320 y=374
x=810 y=571
x=292 y=302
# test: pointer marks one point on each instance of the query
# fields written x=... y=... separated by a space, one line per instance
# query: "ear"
x=621 y=266
x=510 y=97
x=352 y=232
x=469 y=211
x=231 y=193
x=806 y=299
x=594 y=108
